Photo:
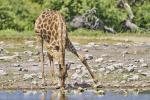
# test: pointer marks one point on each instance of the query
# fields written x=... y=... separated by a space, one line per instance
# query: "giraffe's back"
x=51 y=25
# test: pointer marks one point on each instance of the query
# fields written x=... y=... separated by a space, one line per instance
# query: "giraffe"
x=50 y=30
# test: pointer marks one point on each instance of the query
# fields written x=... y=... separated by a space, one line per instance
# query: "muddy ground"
x=116 y=63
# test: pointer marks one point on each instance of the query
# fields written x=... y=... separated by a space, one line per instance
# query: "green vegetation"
x=17 y=17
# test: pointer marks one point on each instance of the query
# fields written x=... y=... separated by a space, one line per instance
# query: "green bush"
x=20 y=15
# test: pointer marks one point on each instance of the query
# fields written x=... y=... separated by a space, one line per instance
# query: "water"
x=49 y=95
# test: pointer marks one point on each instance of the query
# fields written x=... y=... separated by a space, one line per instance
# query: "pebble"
x=131 y=68
x=105 y=55
x=101 y=69
x=111 y=67
x=6 y=58
x=147 y=74
x=3 y=73
x=75 y=76
x=31 y=60
x=79 y=66
x=16 y=65
x=29 y=42
x=34 y=82
x=85 y=50
x=133 y=78
x=88 y=56
x=144 y=65
x=118 y=65
x=27 y=77
x=99 y=60
x=80 y=89
x=29 y=53
x=1 y=50
x=100 y=92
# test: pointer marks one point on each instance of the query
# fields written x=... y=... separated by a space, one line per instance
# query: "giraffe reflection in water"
x=59 y=95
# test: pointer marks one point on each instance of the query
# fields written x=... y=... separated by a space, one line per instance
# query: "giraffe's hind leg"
x=39 y=40
x=72 y=49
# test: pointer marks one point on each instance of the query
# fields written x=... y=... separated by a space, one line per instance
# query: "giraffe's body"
x=50 y=29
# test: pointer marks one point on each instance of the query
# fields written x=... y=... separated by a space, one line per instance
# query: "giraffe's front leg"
x=62 y=70
x=52 y=69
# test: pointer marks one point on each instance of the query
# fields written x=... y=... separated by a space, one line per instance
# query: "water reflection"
x=58 y=95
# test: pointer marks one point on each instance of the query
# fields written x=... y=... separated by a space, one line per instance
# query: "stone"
x=133 y=78
x=20 y=69
x=75 y=43
x=35 y=64
x=79 y=66
x=31 y=60
x=131 y=68
x=29 y=42
x=118 y=65
x=107 y=72
x=3 y=73
x=16 y=65
x=1 y=50
x=25 y=70
x=34 y=82
x=91 y=43
x=39 y=75
x=6 y=58
x=101 y=69
x=100 y=92
x=120 y=70
x=144 y=65
x=147 y=74
x=111 y=68
x=27 y=77
x=29 y=53
x=139 y=60
x=75 y=76
x=99 y=60
x=88 y=56
x=105 y=55
x=111 y=61
x=124 y=52
x=85 y=50
x=81 y=89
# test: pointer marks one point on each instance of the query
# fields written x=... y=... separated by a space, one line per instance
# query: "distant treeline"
x=20 y=15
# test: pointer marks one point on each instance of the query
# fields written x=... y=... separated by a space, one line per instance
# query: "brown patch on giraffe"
x=44 y=30
x=45 y=25
x=49 y=21
x=56 y=27
x=43 y=16
x=42 y=25
x=57 y=48
x=39 y=21
x=45 y=20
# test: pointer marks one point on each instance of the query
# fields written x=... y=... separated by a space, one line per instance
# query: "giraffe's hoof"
x=99 y=85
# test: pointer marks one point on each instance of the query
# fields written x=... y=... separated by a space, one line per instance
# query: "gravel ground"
x=115 y=64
